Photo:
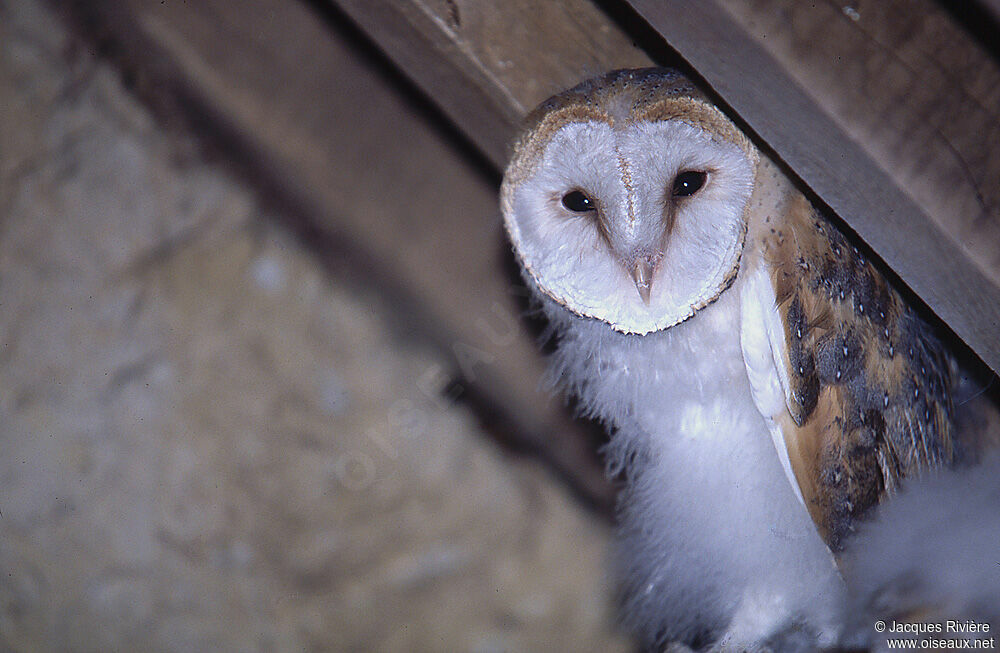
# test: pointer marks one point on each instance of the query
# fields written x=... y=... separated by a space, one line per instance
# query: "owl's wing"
x=856 y=390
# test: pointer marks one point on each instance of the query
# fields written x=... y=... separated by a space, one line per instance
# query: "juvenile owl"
x=764 y=386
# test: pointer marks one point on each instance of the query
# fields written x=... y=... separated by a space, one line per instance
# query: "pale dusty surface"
x=209 y=444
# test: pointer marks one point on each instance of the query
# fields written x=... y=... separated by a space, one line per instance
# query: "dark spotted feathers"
x=869 y=386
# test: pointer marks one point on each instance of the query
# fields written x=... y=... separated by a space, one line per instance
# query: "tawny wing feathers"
x=867 y=388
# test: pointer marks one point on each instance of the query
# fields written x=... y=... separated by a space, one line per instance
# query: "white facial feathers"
x=681 y=250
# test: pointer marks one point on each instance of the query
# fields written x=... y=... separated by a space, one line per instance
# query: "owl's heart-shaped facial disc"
x=630 y=209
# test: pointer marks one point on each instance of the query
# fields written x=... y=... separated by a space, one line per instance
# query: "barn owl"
x=764 y=386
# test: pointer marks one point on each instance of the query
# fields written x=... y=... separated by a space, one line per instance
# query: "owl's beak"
x=642 y=274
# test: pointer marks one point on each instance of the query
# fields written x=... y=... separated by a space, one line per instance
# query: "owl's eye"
x=688 y=183
x=578 y=202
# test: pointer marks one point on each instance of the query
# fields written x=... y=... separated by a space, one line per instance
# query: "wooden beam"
x=888 y=112
x=486 y=64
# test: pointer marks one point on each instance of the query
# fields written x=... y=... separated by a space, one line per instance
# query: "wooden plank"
x=486 y=64
x=894 y=76
x=379 y=193
x=888 y=112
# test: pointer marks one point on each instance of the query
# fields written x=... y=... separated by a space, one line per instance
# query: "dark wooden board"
x=486 y=64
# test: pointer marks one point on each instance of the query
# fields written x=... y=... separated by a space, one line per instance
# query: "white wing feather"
x=763 y=344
